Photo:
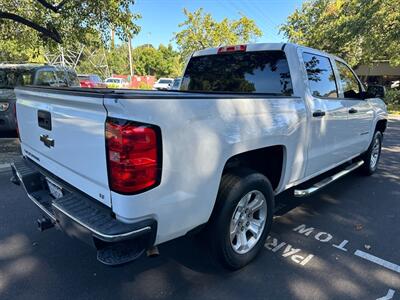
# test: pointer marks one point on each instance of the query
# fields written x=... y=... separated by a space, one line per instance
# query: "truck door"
x=327 y=133
x=360 y=112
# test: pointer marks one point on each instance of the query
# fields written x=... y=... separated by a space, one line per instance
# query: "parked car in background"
x=176 y=84
x=12 y=75
x=91 y=81
x=117 y=83
x=163 y=84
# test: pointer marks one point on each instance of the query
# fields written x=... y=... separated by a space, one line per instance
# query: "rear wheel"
x=242 y=218
x=373 y=154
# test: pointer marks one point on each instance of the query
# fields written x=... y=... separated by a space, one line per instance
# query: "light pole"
x=148 y=47
x=130 y=56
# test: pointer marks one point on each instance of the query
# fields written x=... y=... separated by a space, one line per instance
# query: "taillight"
x=134 y=156
x=86 y=84
x=237 y=48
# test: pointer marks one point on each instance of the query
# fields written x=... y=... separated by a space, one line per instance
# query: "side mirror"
x=376 y=91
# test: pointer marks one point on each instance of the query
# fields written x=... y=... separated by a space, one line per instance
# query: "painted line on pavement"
x=4 y=167
x=388 y=296
x=384 y=263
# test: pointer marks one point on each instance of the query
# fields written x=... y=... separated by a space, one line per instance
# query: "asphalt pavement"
x=341 y=243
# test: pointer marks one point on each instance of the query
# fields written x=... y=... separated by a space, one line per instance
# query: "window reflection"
x=320 y=74
x=249 y=72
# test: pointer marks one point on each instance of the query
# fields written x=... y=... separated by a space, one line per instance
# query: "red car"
x=91 y=81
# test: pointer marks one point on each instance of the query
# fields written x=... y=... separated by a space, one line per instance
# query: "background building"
x=381 y=72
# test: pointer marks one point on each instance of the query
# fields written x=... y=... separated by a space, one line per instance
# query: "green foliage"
x=75 y=22
x=360 y=31
x=144 y=86
x=160 y=62
x=392 y=97
x=146 y=59
x=201 y=31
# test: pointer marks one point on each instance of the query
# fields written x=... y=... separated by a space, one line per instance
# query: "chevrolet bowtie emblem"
x=48 y=142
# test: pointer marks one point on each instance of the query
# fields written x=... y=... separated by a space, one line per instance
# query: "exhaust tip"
x=44 y=224
x=153 y=252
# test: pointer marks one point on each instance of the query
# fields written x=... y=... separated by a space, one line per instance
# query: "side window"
x=46 y=78
x=350 y=85
x=72 y=79
x=320 y=74
x=62 y=78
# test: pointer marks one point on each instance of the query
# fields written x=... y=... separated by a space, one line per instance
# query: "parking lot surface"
x=341 y=243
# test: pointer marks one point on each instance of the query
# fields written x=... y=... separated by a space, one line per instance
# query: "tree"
x=201 y=31
x=171 y=62
x=164 y=61
x=33 y=24
x=147 y=60
x=360 y=31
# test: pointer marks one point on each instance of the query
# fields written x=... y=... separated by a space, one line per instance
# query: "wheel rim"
x=248 y=222
x=375 y=153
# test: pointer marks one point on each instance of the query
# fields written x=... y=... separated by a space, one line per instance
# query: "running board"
x=328 y=180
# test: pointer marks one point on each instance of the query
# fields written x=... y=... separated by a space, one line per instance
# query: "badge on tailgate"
x=48 y=142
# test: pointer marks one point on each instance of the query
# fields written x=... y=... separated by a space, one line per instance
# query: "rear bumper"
x=79 y=215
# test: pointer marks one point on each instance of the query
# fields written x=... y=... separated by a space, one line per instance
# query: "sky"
x=160 y=18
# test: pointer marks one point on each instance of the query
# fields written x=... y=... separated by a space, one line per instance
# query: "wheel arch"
x=381 y=125
x=269 y=161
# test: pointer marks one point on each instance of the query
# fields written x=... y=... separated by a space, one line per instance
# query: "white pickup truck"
x=129 y=170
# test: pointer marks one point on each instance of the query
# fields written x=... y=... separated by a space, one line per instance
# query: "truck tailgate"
x=65 y=134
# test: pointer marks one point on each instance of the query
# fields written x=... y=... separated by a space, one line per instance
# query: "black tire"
x=369 y=166
x=234 y=186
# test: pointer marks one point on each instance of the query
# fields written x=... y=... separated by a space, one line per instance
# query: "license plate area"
x=55 y=190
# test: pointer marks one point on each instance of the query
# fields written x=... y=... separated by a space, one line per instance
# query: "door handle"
x=353 y=111
x=318 y=113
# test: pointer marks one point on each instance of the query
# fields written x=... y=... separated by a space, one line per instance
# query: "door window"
x=350 y=85
x=321 y=78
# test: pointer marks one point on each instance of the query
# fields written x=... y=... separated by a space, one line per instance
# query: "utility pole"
x=130 y=56
x=112 y=39
x=148 y=46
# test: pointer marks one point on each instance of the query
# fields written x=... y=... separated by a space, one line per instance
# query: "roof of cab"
x=265 y=47
x=249 y=47
x=20 y=66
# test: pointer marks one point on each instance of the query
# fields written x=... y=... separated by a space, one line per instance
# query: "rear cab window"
x=320 y=75
x=258 y=72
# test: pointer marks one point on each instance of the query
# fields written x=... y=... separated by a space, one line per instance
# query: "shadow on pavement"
x=50 y=265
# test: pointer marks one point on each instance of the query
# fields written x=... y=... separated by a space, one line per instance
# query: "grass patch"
x=393 y=109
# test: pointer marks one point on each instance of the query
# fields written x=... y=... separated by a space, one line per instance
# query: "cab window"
x=348 y=81
x=46 y=78
x=321 y=78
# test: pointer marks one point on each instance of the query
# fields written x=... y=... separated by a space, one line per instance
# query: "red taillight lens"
x=86 y=84
x=237 y=48
x=134 y=162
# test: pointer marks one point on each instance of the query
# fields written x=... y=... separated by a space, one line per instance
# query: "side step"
x=328 y=180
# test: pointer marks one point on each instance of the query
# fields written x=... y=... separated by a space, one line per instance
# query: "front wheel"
x=242 y=217
x=373 y=154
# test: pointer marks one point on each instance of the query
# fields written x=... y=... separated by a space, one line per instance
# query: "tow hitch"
x=44 y=223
